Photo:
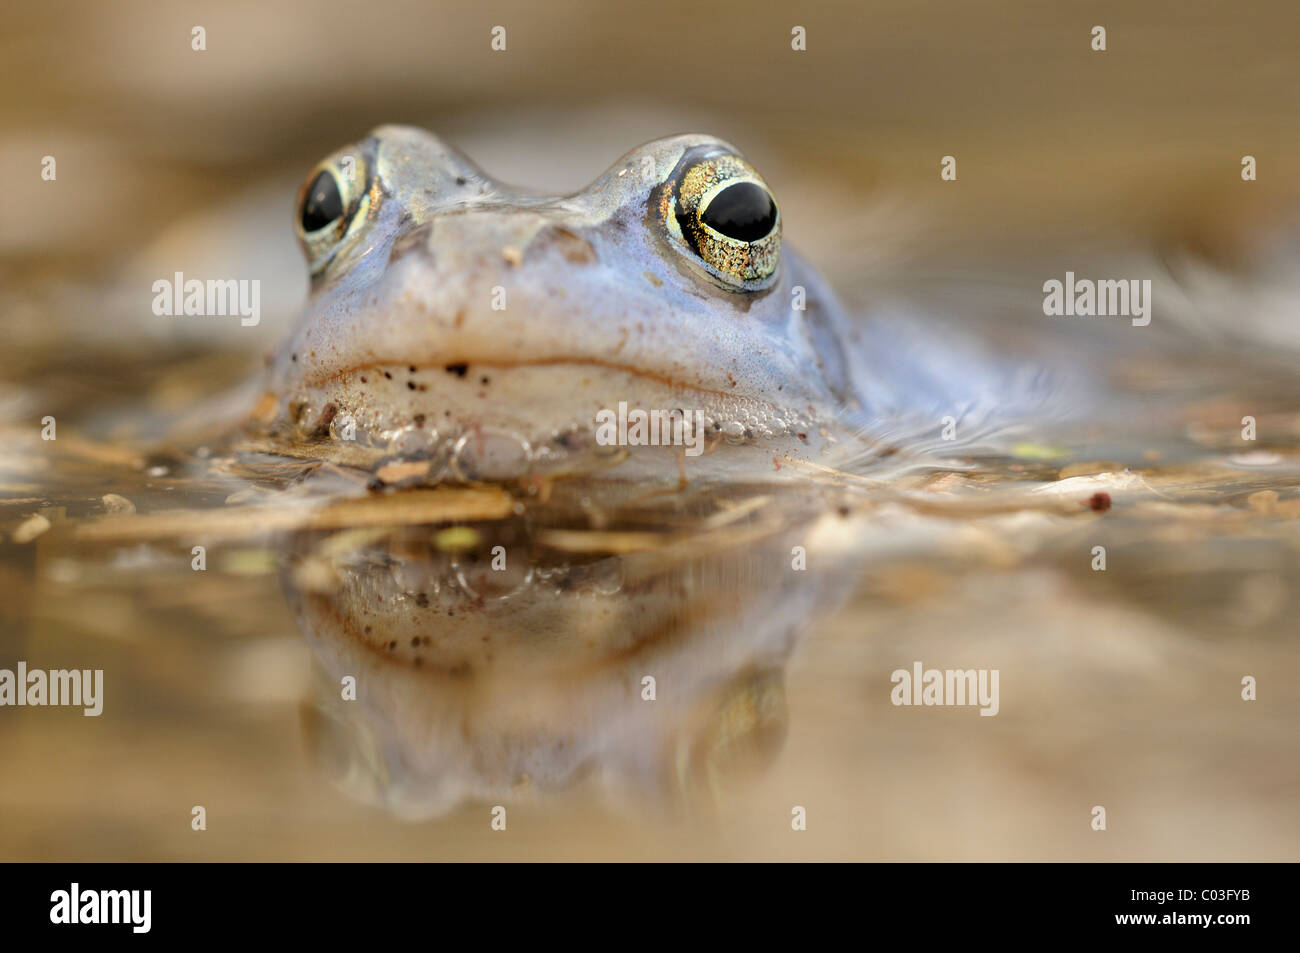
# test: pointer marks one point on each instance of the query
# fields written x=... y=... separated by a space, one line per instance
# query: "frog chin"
x=496 y=421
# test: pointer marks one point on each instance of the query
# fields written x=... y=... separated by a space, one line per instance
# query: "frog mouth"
x=462 y=366
x=495 y=418
x=548 y=394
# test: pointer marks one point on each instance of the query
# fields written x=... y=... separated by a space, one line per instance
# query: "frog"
x=450 y=312
x=496 y=331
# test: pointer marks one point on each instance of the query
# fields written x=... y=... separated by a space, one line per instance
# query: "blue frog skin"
x=447 y=307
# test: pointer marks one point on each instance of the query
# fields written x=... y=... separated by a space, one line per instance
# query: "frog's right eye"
x=331 y=200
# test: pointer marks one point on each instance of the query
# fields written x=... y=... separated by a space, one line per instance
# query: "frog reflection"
x=496 y=662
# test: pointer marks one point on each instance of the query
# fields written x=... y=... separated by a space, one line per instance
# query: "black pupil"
x=323 y=205
x=743 y=211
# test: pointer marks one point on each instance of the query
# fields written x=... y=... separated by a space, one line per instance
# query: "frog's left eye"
x=322 y=205
x=726 y=215
x=331 y=200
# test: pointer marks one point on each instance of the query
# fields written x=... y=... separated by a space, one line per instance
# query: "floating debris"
x=30 y=528
x=249 y=562
x=404 y=471
x=116 y=503
x=456 y=539
x=408 y=507
x=1037 y=451
x=1099 y=502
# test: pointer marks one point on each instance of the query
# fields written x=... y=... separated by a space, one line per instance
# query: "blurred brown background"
x=1049 y=135
x=171 y=159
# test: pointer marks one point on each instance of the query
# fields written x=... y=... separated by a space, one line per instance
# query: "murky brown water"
x=524 y=688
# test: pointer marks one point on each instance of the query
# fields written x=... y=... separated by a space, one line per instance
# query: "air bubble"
x=484 y=455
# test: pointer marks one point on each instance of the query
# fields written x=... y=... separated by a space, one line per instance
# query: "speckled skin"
x=602 y=305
